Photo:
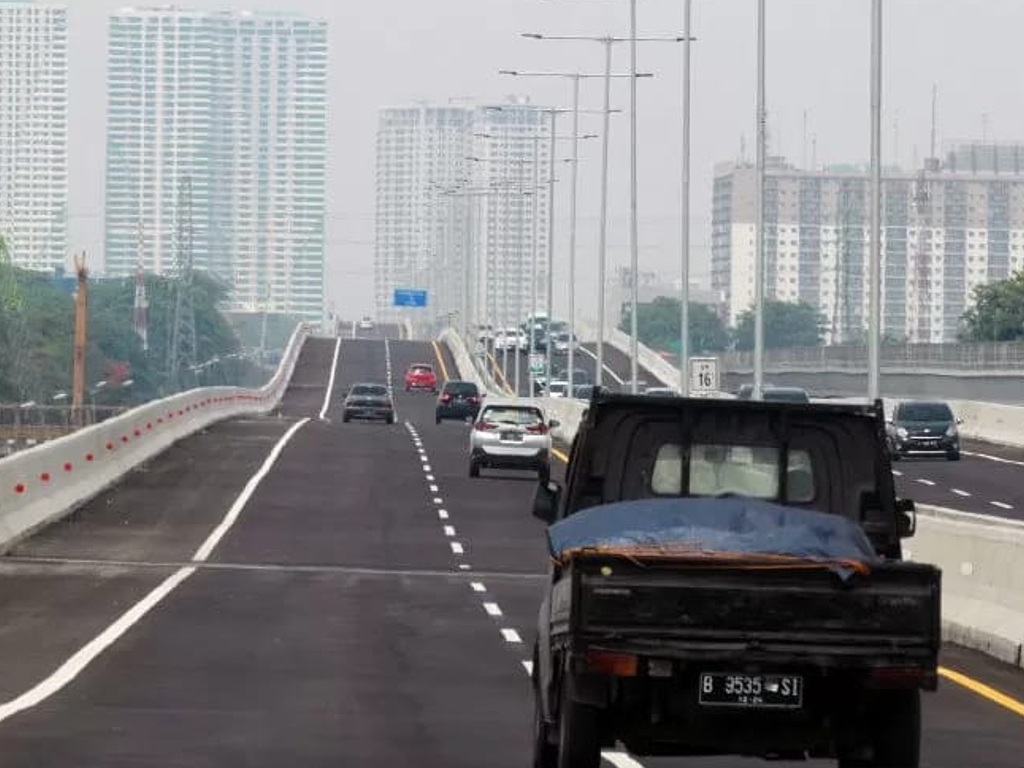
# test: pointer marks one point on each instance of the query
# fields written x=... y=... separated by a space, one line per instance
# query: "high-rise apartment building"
x=233 y=106
x=458 y=212
x=34 y=133
x=946 y=230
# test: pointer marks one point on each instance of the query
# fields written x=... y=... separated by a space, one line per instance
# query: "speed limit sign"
x=703 y=374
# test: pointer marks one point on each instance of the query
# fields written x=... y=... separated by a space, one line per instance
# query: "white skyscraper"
x=34 y=133
x=455 y=210
x=233 y=103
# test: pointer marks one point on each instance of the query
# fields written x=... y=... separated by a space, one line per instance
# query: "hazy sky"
x=388 y=52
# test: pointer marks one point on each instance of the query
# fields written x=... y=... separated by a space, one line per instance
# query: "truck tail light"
x=900 y=677
x=614 y=664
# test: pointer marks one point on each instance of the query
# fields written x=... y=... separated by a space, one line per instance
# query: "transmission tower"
x=181 y=352
x=12 y=321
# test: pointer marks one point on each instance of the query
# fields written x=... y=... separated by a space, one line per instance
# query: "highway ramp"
x=370 y=605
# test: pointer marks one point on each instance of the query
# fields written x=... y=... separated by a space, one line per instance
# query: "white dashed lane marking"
x=1001 y=504
x=492 y=609
x=958 y=492
x=457 y=548
x=511 y=636
x=449 y=530
x=477 y=586
x=922 y=481
x=442 y=514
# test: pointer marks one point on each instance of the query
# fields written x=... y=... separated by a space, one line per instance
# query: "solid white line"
x=958 y=492
x=988 y=457
x=478 y=586
x=243 y=498
x=511 y=636
x=456 y=548
x=1001 y=504
x=330 y=379
x=449 y=530
x=492 y=609
x=77 y=663
x=443 y=514
x=922 y=481
x=528 y=666
x=608 y=370
x=621 y=759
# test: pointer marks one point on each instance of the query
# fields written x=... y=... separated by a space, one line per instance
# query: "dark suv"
x=457 y=400
x=923 y=427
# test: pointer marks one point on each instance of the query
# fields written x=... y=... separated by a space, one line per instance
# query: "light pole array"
x=575 y=77
x=607 y=42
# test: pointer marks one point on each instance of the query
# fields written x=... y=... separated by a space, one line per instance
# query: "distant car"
x=421 y=376
x=775 y=394
x=366 y=323
x=562 y=342
x=511 y=434
x=458 y=400
x=923 y=427
x=368 y=401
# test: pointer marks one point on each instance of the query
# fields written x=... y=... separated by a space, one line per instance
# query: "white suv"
x=511 y=434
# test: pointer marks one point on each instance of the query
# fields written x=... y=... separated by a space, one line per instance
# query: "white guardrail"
x=981 y=557
x=43 y=484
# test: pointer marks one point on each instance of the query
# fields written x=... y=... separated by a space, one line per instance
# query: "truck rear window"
x=742 y=470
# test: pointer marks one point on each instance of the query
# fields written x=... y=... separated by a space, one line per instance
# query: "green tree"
x=997 y=313
x=786 y=324
x=659 y=322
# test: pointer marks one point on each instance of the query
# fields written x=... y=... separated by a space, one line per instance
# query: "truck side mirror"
x=545 y=501
x=907 y=517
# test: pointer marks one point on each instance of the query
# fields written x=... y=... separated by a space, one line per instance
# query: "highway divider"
x=42 y=484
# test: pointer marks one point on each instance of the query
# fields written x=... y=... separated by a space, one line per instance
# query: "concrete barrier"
x=982 y=561
x=42 y=484
x=463 y=360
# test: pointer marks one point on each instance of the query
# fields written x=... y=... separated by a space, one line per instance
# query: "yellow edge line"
x=974 y=686
x=985 y=691
x=501 y=374
x=440 y=360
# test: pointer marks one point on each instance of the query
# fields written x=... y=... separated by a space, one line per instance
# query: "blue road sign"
x=410 y=297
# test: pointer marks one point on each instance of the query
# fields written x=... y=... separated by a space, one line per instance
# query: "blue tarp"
x=735 y=525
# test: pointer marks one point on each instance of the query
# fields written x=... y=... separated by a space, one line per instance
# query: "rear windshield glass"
x=924 y=412
x=369 y=390
x=512 y=415
x=422 y=369
x=461 y=387
x=733 y=469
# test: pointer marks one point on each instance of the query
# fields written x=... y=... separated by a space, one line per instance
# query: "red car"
x=421 y=376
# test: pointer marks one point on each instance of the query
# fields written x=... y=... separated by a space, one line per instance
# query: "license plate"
x=764 y=691
x=514 y=437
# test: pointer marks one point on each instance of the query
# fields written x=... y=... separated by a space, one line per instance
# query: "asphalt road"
x=358 y=602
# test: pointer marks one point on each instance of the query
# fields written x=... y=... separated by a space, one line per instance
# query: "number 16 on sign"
x=703 y=374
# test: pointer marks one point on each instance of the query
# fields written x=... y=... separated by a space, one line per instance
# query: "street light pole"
x=684 y=272
x=634 y=250
x=572 y=227
x=534 y=212
x=551 y=252
x=602 y=246
x=875 y=255
x=759 y=270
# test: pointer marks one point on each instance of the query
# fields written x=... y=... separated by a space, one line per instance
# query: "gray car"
x=511 y=434
x=369 y=401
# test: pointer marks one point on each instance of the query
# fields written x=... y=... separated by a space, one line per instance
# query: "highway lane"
x=371 y=606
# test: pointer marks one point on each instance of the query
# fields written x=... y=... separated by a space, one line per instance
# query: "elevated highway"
x=291 y=590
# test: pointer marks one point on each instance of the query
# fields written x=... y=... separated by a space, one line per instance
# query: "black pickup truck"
x=727 y=579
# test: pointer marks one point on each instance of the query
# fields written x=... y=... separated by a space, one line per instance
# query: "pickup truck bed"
x=781 y=612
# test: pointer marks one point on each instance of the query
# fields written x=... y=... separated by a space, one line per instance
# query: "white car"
x=511 y=434
x=366 y=323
